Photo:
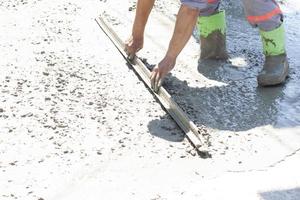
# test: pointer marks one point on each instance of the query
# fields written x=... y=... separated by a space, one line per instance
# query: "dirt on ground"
x=77 y=123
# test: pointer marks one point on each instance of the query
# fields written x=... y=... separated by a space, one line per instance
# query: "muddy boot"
x=212 y=36
x=276 y=65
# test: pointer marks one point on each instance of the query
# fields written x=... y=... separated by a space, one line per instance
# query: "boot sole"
x=277 y=81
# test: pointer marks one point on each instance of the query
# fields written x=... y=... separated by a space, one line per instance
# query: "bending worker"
x=264 y=14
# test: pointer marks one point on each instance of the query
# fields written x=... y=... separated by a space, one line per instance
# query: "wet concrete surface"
x=240 y=104
x=281 y=194
x=76 y=122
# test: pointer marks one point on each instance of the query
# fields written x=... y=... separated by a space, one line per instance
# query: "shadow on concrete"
x=236 y=103
x=163 y=129
x=291 y=194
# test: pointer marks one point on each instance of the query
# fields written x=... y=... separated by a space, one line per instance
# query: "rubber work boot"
x=213 y=36
x=276 y=65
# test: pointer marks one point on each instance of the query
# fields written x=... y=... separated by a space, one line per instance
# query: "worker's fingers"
x=159 y=83
x=131 y=52
x=156 y=82
x=152 y=79
x=126 y=50
x=131 y=57
x=127 y=47
x=132 y=46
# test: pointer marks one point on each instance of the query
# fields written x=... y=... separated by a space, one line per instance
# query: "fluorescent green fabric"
x=273 y=41
x=208 y=24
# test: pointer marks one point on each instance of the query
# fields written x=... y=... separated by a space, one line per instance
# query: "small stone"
x=193 y=153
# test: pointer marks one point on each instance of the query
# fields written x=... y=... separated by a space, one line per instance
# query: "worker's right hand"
x=160 y=71
x=133 y=45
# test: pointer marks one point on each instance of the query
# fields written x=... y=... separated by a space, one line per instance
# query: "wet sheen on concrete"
x=239 y=104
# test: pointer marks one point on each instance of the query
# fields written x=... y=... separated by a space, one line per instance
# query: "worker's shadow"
x=235 y=104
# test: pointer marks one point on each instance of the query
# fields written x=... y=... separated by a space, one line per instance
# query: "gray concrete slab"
x=76 y=122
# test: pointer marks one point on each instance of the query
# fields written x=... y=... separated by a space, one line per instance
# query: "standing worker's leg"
x=212 y=27
x=267 y=16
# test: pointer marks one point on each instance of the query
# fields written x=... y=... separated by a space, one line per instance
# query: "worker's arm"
x=186 y=20
x=136 y=40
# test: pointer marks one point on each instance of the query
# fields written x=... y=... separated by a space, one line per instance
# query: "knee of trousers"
x=266 y=15
x=206 y=7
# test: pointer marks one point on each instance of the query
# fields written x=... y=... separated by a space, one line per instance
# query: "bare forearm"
x=143 y=10
x=186 y=20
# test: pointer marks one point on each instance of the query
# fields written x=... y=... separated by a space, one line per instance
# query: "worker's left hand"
x=160 y=71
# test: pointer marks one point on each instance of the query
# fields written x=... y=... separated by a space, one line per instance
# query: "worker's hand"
x=160 y=71
x=133 y=45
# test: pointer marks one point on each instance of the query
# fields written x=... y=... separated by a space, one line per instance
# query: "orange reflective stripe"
x=211 y=1
x=262 y=18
